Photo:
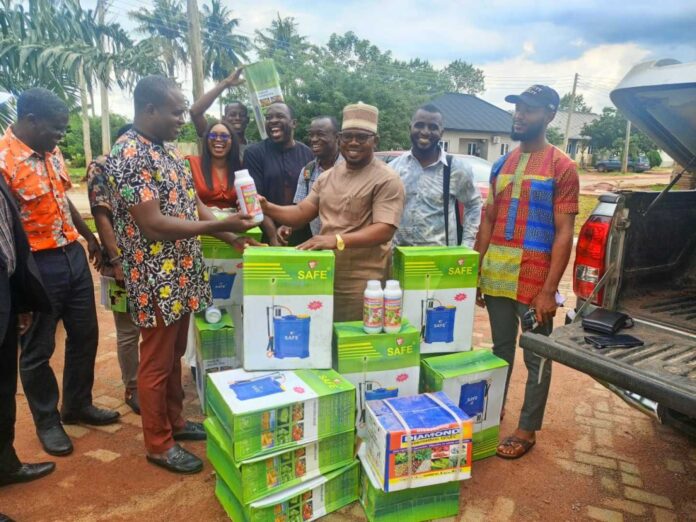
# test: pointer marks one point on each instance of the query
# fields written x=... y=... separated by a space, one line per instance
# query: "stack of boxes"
x=281 y=432
x=282 y=443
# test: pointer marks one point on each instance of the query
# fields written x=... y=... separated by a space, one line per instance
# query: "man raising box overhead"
x=360 y=202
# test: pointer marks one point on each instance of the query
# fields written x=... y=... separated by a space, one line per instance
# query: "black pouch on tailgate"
x=606 y=321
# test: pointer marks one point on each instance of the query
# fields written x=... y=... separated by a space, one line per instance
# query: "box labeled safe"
x=475 y=381
x=439 y=286
x=288 y=308
x=262 y=412
x=380 y=365
x=261 y=476
x=412 y=505
x=303 y=503
x=417 y=441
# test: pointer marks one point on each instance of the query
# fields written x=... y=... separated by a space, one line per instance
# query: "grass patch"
x=76 y=174
x=658 y=187
x=587 y=205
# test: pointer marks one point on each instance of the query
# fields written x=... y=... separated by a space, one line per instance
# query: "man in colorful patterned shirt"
x=422 y=170
x=34 y=170
x=157 y=218
x=525 y=243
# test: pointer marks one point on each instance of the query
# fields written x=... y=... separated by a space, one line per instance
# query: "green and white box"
x=474 y=381
x=288 y=308
x=215 y=348
x=263 y=412
x=439 y=285
x=412 y=505
x=379 y=365
x=303 y=503
x=261 y=476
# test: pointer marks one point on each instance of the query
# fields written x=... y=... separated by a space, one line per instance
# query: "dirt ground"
x=595 y=459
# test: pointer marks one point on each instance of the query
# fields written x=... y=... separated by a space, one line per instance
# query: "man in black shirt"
x=275 y=164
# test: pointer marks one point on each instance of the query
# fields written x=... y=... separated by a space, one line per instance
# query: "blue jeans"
x=68 y=281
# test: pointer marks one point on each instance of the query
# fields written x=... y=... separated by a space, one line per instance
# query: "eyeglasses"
x=360 y=137
x=213 y=136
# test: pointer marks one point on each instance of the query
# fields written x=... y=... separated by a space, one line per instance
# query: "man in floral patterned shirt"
x=157 y=218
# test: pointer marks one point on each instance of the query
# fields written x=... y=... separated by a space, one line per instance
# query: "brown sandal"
x=520 y=447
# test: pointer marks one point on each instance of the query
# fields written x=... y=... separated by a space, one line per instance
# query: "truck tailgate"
x=664 y=369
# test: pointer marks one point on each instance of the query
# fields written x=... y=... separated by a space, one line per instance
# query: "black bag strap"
x=446 y=176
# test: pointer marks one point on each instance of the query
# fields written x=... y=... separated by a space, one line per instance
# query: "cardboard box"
x=439 y=285
x=262 y=476
x=303 y=503
x=288 y=308
x=225 y=265
x=475 y=381
x=412 y=505
x=113 y=297
x=428 y=443
x=379 y=365
x=263 y=412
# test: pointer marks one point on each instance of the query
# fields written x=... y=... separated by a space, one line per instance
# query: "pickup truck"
x=636 y=254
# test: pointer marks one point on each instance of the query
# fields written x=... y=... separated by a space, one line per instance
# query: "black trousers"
x=68 y=281
x=8 y=377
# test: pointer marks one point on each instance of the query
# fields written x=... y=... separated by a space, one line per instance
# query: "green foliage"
x=72 y=147
x=608 y=134
x=465 y=78
x=554 y=136
x=222 y=49
x=654 y=158
x=580 y=104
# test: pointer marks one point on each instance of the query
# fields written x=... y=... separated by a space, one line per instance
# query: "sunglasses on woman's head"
x=222 y=136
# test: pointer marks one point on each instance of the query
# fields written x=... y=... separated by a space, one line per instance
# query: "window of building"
x=471 y=149
x=444 y=145
x=504 y=148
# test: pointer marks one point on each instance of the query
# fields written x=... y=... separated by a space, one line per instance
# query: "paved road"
x=595 y=459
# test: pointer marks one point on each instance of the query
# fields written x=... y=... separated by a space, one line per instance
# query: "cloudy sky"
x=515 y=43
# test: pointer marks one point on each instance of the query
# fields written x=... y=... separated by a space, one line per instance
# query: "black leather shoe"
x=191 y=431
x=91 y=415
x=5 y=518
x=178 y=460
x=133 y=402
x=55 y=441
x=27 y=473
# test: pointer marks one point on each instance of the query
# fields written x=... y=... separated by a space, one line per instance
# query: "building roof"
x=466 y=112
x=577 y=122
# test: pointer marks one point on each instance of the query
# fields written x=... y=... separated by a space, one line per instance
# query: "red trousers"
x=160 y=390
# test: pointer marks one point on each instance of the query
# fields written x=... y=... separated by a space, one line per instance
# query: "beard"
x=532 y=132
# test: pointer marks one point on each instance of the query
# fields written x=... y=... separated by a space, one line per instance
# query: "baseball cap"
x=537 y=96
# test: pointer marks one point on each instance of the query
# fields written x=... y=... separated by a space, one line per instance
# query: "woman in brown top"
x=213 y=171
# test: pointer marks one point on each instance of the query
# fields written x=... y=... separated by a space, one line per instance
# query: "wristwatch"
x=340 y=244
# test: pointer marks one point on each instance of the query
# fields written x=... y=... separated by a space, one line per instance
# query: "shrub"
x=654 y=158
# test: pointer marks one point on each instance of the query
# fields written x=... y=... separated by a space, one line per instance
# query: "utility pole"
x=570 y=113
x=85 y=117
x=103 y=92
x=627 y=141
x=194 y=23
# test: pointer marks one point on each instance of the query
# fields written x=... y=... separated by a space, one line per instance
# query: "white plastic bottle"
x=213 y=315
x=373 y=307
x=393 y=297
x=247 y=196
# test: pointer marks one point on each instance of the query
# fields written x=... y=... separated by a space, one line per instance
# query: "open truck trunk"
x=651 y=257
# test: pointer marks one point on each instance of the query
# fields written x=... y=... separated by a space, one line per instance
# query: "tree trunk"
x=103 y=92
x=85 y=119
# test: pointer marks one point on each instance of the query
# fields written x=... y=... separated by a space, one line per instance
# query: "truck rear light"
x=590 y=257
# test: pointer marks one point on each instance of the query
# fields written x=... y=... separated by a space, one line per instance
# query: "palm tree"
x=166 y=27
x=222 y=49
x=281 y=36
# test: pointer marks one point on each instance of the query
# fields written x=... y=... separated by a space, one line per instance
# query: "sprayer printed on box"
x=475 y=381
x=380 y=365
x=264 y=412
x=288 y=308
x=415 y=505
x=261 y=476
x=303 y=503
x=439 y=285
x=417 y=441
